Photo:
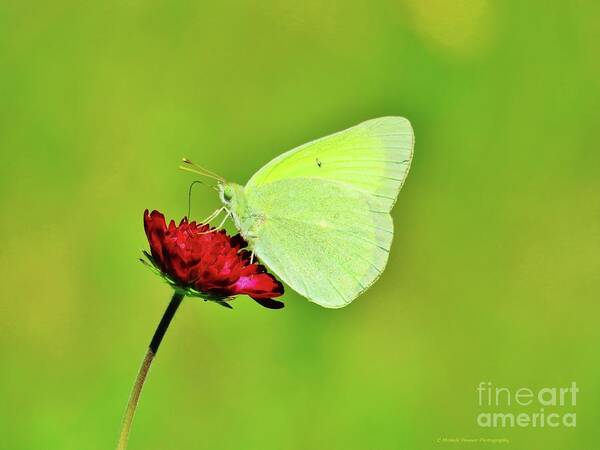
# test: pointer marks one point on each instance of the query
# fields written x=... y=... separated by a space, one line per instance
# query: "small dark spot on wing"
x=318 y=162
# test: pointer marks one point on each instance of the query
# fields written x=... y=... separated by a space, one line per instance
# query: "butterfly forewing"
x=373 y=157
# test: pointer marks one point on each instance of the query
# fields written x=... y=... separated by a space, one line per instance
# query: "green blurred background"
x=494 y=271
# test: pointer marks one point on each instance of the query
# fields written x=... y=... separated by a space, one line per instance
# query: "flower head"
x=198 y=260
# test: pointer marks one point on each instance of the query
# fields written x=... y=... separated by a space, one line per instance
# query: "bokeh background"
x=494 y=271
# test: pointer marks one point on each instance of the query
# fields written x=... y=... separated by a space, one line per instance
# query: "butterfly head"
x=233 y=198
x=226 y=193
x=232 y=195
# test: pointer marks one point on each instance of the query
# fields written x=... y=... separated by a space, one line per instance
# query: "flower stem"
x=145 y=368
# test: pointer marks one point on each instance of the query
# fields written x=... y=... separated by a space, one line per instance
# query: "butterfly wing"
x=321 y=211
x=372 y=157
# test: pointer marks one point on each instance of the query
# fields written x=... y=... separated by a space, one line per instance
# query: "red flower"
x=207 y=264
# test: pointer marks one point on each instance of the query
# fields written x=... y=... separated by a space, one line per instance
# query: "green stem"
x=145 y=368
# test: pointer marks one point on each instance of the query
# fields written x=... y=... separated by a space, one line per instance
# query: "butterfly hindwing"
x=327 y=250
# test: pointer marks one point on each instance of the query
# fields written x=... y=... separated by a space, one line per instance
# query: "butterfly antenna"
x=200 y=171
x=194 y=168
x=190 y=195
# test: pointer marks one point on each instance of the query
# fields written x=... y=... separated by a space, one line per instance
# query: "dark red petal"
x=261 y=269
x=250 y=270
x=245 y=257
x=238 y=241
x=257 y=286
x=269 y=303
x=155 y=227
x=178 y=268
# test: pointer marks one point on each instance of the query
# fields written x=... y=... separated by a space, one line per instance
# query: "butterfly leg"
x=224 y=218
x=217 y=228
x=213 y=216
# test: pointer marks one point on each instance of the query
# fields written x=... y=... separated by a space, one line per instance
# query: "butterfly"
x=319 y=215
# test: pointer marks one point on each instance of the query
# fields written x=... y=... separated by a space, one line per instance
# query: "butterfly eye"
x=227 y=194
